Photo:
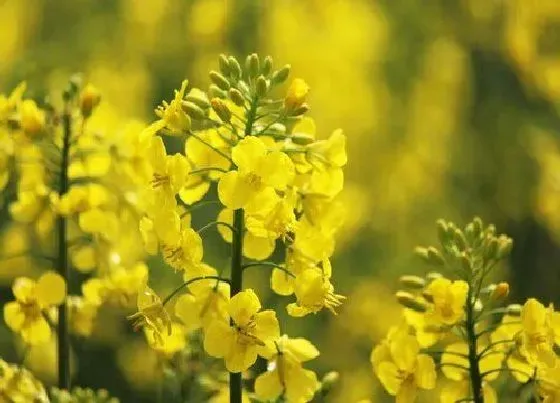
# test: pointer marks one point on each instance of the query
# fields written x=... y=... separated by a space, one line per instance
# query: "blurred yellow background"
x=451 y=109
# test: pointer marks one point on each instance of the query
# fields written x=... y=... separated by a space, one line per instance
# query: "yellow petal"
x=281 y=282
x=186 y=310
x=233 y=191
x=268 y=386
x=14 y=316
x=240 y=357
x=225 y=215
x=218 y=339
x=425 y=375
x=277 y=170
x=407 y=392
x=243 y=306
x=266 y=326
x=301 y=385
x=257 y=248
x=301 y=350
x=247 y=153
x=388 y=374
x=51 y=289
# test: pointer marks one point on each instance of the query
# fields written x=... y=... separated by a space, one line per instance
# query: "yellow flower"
x=32 y=118
x=250 y=333
x=540 y=331
x=171 y=115
x=151 y=315
x=297 y=92
x=505 y=337
x=548 y=381
x=331 y=152
x=257 y=171
x=401 y=368
x=10 y=102
x=455 y=355
x=25 y=315
x=456 y=391
x=170 y=173
x=82 y=314
x=170 y=343
x=19 y=385
x=186 y=253
x=285 y=375
x=448 y=300
x=314 y=292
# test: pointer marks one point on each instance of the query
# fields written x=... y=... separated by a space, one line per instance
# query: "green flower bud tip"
x=428 y=297
x=431 y=276
x=414 y=282
x=491 y=249
x=219 y=80
x=277 y=129
x=261 y=86
x=223 y=63
x=302 y=138
x=465 y=262
x=236 y=96
x=434 y=257
x=505 y=245
x=408 y=300
x=192 y=110
x=198 y=100
x=301 y=110
x=234 y=67
x=252 y=65
x=329 y=380
x=279 y=76
x=477 y=224
x=267 y=66
x=442 y=231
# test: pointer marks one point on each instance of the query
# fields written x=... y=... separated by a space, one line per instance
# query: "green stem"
x=474 y=369
x=270 y=264
x=187 y=283
x=236 y=285
x=63 y=266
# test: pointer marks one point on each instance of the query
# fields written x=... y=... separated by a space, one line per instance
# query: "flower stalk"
x=63 y=267
x=474 y=368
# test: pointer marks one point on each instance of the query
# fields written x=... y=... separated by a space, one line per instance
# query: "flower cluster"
x=460 y=326
x=276 y=183
x=77 y=173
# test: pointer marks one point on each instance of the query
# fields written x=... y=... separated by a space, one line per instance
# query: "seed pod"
x=219 y=80
x=236 y=96
x=267 y=66
x=414 y=282
x=234 y=68
x=279 y=76
x=261 y=86
x=252 y=65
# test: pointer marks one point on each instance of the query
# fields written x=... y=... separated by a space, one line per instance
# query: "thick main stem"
x=235 y=381
x=63 y=267
x=474 y=369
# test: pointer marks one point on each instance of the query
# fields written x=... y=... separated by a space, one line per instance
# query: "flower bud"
x=430 y=255
x=302 y=138
x=221 y=109
x=408 y=300
x=276 y=129
x=505 y=245
x=329 y=381
x=459 y=239
x=491 y=249
x=32 y=118
x=514 y=309
x=414 y=282
x=465 y=262
x=442 y=231
x=198 y=98
x=234 y=68
x=219 y=80
x=89 y=99
x=215 y=92
x=223 y=63
x=297 y=92
x=279 y=76
x=477 y=225
x=431 y=276
x=501 y=291
x=192 y=110
x=252 y=65
x=301 y=110
x=267 y=66
x=261 y=86
x=236 y=96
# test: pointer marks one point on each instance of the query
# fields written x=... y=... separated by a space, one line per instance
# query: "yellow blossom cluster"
x=462 y=328
x=276 y=181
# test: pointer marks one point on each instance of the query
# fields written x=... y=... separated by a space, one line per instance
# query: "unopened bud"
x=198 y=98
x=279 y=76
x=459 y=239
x=219 y=80
x=192 y=110
x=221 y=109
x=223 y=63
x=505 y=246
x=89 y=99
x=431 y=276
x=276 y=129
x=465 y=262
x=329 y=381
x=267 y=66
x=491 y=230
x=234 y=67
x=501 y=291
x=215 y=92
x=514 y=309
x=428 y=297
x=261 y=86
x=252 y=65
x=302 y=138
x=477 y=225
x=442 y=232
x=492 y=248
x=434 y=257
x=488 y=290
x=301 y=110
x=408 y=300
x=414 y=282
x=236 y=96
